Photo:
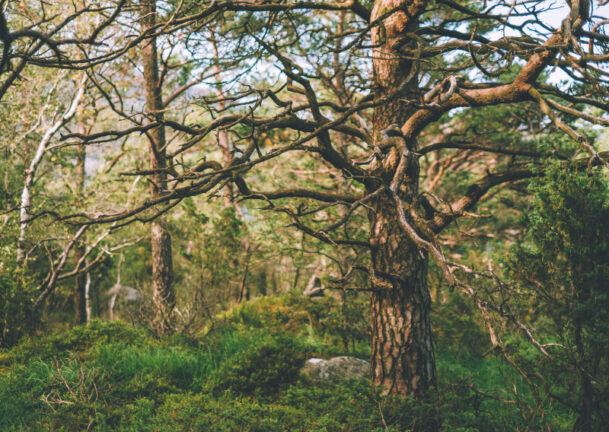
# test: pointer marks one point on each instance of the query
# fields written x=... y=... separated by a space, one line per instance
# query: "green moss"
x=241 y=375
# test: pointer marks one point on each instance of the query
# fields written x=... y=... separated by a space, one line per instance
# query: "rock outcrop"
x=336 y=368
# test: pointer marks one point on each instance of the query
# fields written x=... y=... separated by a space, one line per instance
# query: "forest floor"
x=242 y=374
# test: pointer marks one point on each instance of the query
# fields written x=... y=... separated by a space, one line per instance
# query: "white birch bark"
x=30 y=174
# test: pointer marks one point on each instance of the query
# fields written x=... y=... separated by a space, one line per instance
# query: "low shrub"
x=263 y=368
x=17 y=294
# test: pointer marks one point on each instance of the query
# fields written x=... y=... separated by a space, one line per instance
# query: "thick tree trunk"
x=162 y=264
x=162 y=276
x=402 y=351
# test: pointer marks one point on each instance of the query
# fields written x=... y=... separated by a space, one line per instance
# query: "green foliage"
x=266 y=367
x=241 y=375
x=17 y=293
x=563 y=266
x=456 y=328
x=325 y=323
x=76 y=341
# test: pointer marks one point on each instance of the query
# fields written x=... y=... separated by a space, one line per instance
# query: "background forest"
x=198 y=196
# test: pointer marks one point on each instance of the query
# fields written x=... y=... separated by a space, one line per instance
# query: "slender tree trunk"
x=26 y=198
x=30 y=173
x=80 y=282
x=263 y=281
x=244 y=289
x=80 y=296
x=403 y=360
x=162 y=265
x=88 y=308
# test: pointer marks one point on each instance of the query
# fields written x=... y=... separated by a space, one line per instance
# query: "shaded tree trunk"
x=80 y=296
x=162 y=264
x=244 y=289
x=262 y=286
x=80 y=281
x=403 y=360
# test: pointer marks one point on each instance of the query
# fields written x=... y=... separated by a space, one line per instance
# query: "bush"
x=16 y=300
x=563 y=267
x=263 y=368
x=78 y=340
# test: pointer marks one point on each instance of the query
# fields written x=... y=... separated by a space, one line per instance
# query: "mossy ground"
x=241 y=374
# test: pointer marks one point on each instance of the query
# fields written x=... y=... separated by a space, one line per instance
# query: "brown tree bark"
x=402 y=351
x=162 y=264
x=403 y=360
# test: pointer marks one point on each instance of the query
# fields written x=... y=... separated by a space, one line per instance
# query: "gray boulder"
x=336 y=368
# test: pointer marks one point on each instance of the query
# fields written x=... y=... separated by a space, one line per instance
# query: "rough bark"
x=402 y=351
x=162 y=275
x=162 y=265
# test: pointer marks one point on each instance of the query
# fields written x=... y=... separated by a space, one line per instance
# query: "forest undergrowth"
x=242 y=374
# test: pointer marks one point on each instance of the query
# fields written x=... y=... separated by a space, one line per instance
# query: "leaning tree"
x=374 y=93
